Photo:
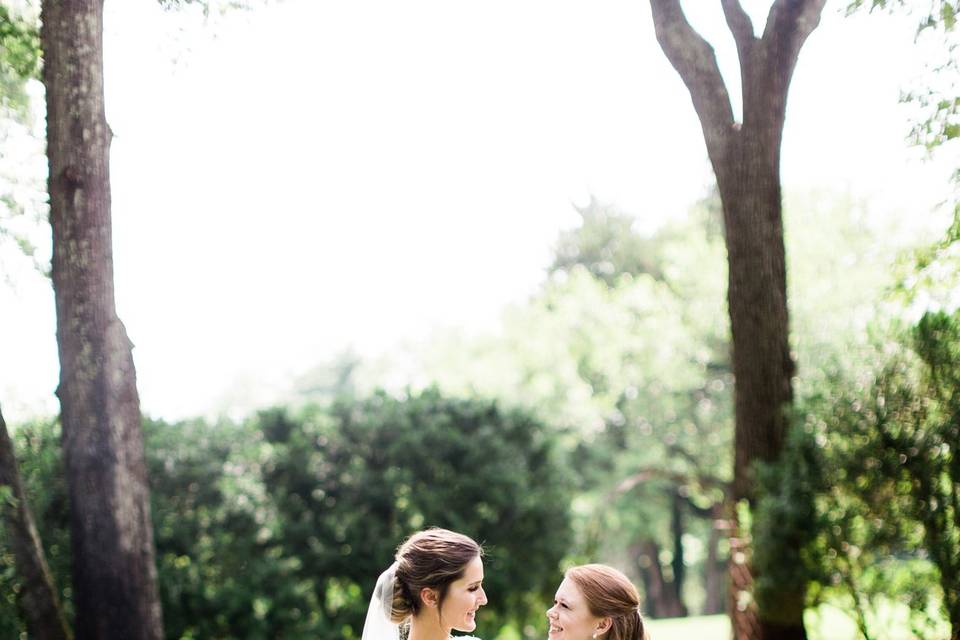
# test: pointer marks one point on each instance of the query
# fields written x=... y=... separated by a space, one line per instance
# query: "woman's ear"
x=429 y=597
x=603 y=626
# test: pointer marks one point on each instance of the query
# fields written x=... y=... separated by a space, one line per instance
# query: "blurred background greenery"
x=595 y=425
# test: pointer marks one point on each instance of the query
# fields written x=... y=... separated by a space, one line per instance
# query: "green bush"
x=887 y=529
x=278 y=527
x=351 y=483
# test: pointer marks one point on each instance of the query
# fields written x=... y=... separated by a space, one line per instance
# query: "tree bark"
x=746 y=160
x=661 y=597
x=114 y=573
x=37 y=600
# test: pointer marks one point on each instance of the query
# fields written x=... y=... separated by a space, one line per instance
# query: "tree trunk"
x=37 y=600
x=757 y=301
x=678 y=566
x=713 y=574
x=661 y=597
x=746 y=160
x=114 y=573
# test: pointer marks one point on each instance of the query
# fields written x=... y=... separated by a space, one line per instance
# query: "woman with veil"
x=434 y=586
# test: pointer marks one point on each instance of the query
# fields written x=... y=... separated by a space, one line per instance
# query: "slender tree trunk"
x=37 y=600
x=678 y=563
x=114 y=573
x=642 y=564
x=714 y=573
x=746 y=160
x=661 y=597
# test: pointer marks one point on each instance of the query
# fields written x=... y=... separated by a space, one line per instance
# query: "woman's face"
x=464 y=597
x=569 y=617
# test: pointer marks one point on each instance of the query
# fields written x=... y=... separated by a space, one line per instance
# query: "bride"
x=434 y=586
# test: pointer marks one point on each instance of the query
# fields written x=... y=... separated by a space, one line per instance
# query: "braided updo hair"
x=432 y=558
x=610 y=594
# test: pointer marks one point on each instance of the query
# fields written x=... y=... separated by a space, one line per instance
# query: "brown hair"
x=610 y=594
x=432 y=558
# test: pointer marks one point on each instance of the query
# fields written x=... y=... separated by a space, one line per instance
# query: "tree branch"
x=37 y=599
x=789 y=24
x=653 y=473
x=697 y=510
x=677 y=450
x=740 y=26
x=695 y=61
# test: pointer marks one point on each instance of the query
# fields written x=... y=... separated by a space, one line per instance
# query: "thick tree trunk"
x=749 y=183
x=114 y=571
x=37 y=600
x=746 y=160
x=757 y=300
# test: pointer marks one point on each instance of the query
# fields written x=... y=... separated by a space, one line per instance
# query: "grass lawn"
x=827 y=622
x=694 y=628
x=824 y=623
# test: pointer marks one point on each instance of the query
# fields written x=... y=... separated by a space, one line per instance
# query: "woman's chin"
x=469 y=624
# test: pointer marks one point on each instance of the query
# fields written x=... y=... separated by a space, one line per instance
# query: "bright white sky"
x=318 y=174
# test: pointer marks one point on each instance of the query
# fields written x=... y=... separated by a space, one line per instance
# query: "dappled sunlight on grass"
x=705 y=627
x=826 y=622
x=888 y=621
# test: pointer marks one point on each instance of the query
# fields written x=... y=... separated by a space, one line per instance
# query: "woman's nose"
x=483 y=597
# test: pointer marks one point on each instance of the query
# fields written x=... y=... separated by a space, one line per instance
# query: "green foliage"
x=38 y=451
x=278 y=527
x=783 y=526
x=888 y=526
x=930 y=439
x=211 y=7
x=607 y=245
x=624 y=352
x=352 y=483
x=632 y=366
x=935 y=14
x=221 y=573
x=867 y=537
x=938 y=124
x=20 y=40
x=19 y=58
x=22 y=192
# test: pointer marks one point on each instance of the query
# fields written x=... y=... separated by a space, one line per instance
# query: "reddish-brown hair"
x=610 y=594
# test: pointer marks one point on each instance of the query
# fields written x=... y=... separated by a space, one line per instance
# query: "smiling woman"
x=434 y=586
x=596 y=601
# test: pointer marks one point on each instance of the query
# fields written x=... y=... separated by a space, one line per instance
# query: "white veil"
x=378 y=625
